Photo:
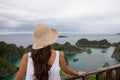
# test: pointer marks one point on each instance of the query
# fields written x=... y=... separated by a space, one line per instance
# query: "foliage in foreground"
x=6 y=68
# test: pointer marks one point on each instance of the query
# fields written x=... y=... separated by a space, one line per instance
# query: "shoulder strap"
x=57 y=56
x=29 y=54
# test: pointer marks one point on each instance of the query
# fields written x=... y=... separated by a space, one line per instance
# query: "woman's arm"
x=66 y=69
x=22 y=70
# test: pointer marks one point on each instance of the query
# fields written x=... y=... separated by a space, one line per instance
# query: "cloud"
x=91 y=7
x=38 y=8
x=78 y=16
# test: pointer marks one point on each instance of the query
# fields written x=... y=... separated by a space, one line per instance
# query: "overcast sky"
x=70 y=16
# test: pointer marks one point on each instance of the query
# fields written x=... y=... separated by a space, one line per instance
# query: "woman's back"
x=54 y=69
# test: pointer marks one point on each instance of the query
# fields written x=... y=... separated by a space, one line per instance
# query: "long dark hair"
x=40 y=59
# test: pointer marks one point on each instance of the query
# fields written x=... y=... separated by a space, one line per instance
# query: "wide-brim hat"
x=44 y=36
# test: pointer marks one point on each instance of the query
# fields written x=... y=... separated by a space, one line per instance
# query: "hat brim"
x=45 y=40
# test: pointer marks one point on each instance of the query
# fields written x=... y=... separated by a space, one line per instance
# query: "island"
x=75 y=59
x=98 y=44
x=106 y=64
x=118 y=33
x=62 y=36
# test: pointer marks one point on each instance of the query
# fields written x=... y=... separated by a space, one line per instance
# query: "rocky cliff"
x=116 y=53
x=86 y=43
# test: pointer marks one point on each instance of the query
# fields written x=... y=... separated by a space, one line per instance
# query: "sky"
x=67 y=16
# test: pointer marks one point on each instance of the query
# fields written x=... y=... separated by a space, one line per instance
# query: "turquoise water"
x=93 y=61
x=86 y=62
x=16 y=61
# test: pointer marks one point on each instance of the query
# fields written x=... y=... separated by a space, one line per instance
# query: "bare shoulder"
x=24 y=60
x=25 y=56
x=63 y=64
x=61 y=56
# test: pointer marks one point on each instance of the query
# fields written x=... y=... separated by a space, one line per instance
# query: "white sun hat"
x=44 y=36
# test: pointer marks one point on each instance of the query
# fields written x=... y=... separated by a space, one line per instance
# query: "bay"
x=86 y=62
x=93 y=61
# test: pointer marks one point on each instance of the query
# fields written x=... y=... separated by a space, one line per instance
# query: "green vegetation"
x=7 y=52
x=6 y=68
x=58 y=46
x=106 y=64
x=62 y=73
x=99 y=44
x=66 y=47
x=116 y=44
x=116 y=53
x=10 y=51
x=92 y=77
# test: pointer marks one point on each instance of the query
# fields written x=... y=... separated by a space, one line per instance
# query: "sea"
x=86 y=62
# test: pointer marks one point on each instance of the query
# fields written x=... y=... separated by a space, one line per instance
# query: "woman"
x=43 y=63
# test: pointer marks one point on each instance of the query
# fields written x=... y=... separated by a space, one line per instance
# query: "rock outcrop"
x=99 y=44
x=116 y=44
x=106 y=64
x=68 y=48
x=116 y=53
